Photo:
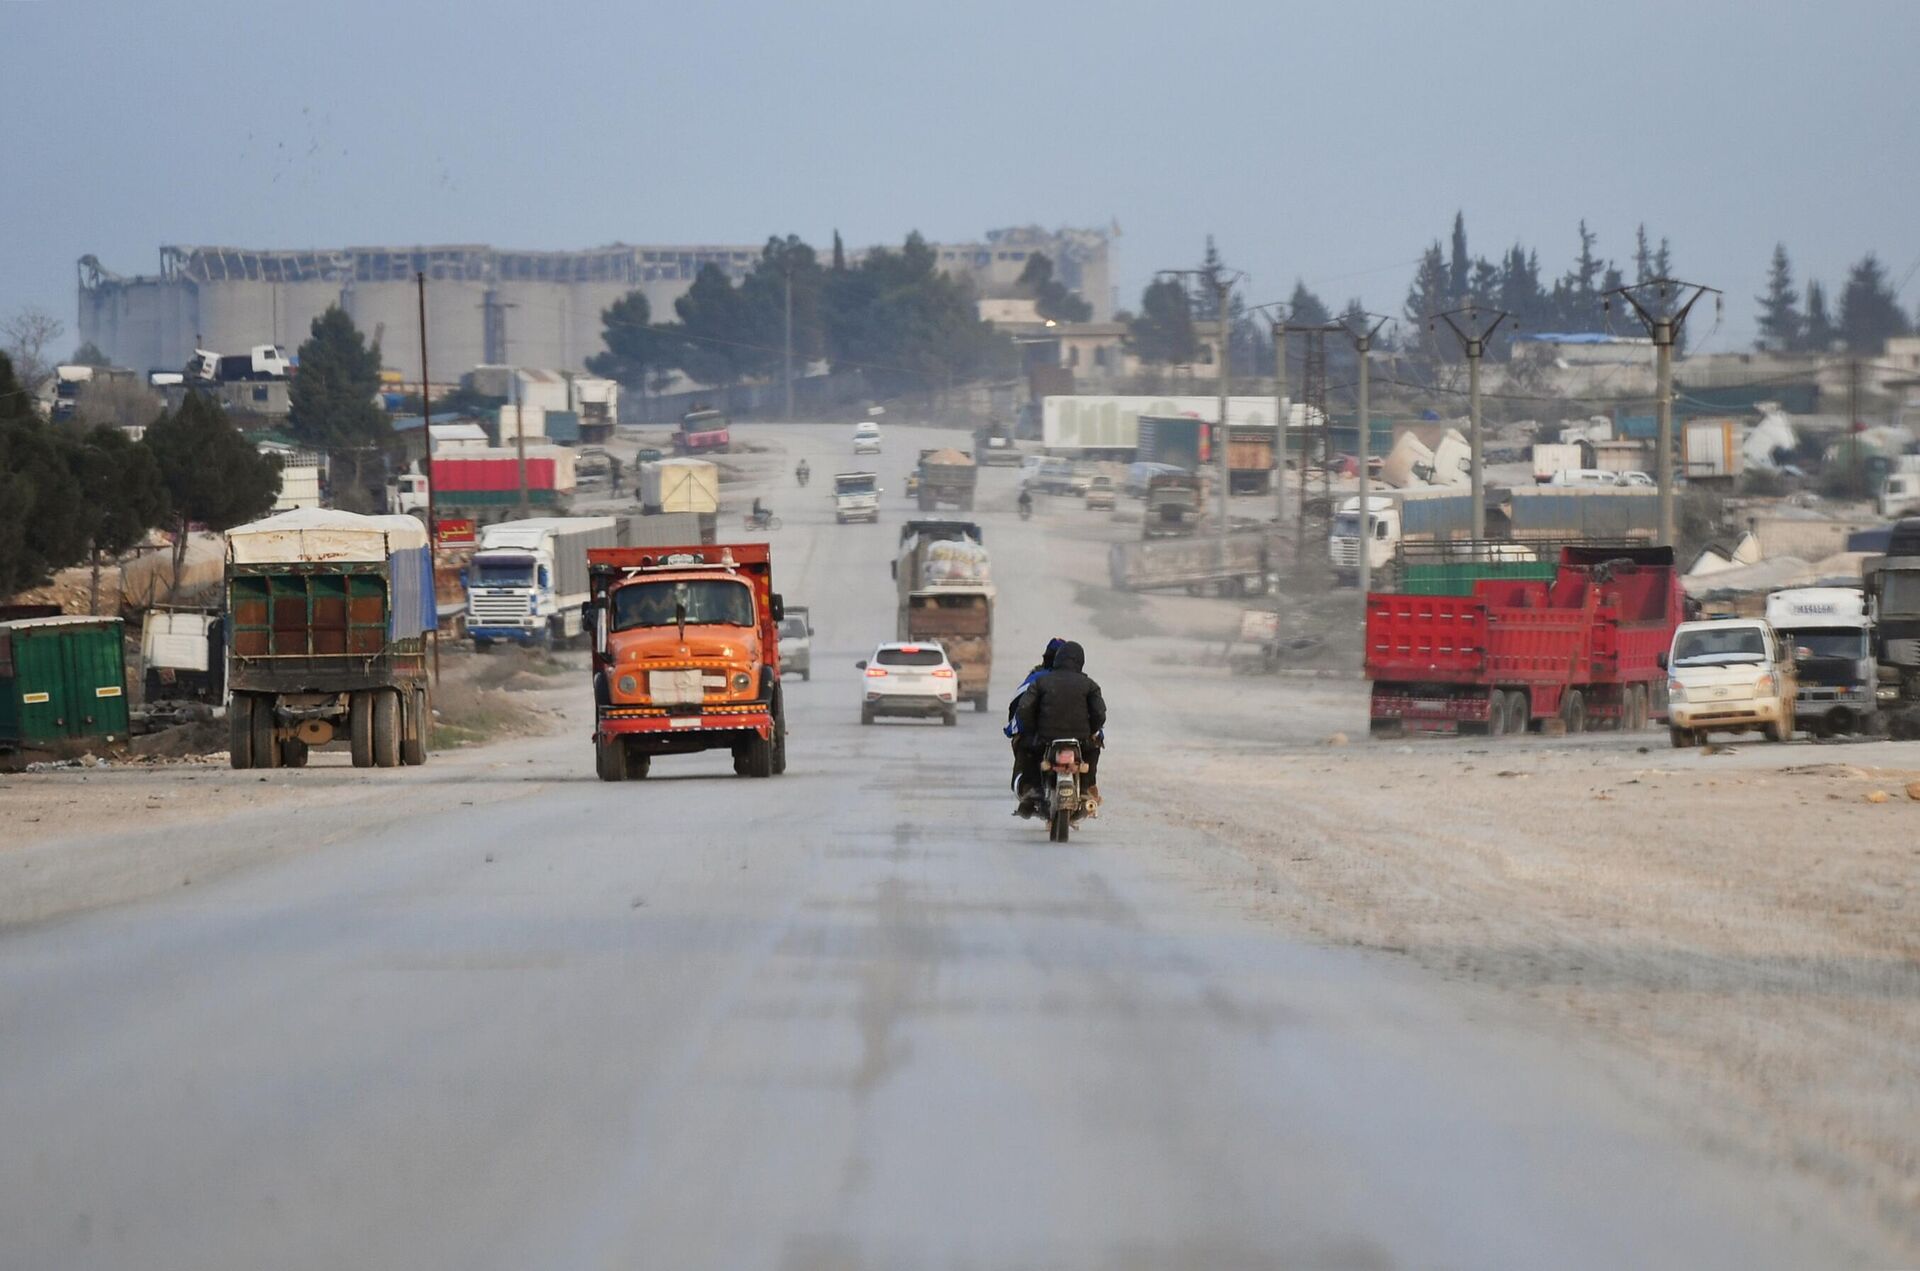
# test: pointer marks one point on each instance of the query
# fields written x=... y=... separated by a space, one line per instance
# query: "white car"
x=909 y=678
x=1636 y=479
x=796 y=645
x=866 y=438
x=1728 y=675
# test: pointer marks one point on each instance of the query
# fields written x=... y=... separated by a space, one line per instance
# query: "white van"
x=1899 y=494
x=1728 y=675
x=1584 y=476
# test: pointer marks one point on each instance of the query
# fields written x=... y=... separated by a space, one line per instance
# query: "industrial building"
x=485 y=305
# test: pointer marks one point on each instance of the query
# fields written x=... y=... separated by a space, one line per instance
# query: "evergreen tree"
x=1818 y=335
x=123 y=496
x=633 y=347
x=1642 y=255
x=1428 y=296
x=89 y=354
x=1663 y=261
x=839 y=254
x=1458 y=266
x=334 y=405
x=1306 y=309
x=213 y=475
x=43 y=517
x=1780 y=320
x=1870 y=314
x=1163 y=333
x=1052 y=299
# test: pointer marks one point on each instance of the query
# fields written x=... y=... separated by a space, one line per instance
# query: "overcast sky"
x=1328 y=141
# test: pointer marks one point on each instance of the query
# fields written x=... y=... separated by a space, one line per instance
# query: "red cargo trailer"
x=1583 y=648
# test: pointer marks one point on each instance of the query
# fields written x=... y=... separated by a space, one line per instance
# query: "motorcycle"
x=801 y=473
x=762 y=521
x=1063 y=800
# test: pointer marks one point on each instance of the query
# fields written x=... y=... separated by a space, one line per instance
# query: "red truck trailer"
x=1583 y=648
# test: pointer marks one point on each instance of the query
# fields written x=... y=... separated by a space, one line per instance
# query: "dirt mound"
x=184 y=741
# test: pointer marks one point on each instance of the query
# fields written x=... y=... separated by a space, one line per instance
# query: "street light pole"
x=1362 y=346
x=1473 y=342
x=1223 y=288
x=1664 y=317
x=787 y=363
x=426 y=468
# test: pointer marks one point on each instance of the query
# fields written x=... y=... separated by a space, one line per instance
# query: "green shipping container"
x=62 y=679
x=1456 y=578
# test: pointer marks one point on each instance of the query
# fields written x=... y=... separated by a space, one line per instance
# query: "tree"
x=1051 y=298
x=1428 y=295
x=839 y=254
x=633 y=346
x=764 y=294
x=1818 y=335
x=334 y=403
x=906 y=324
x=708 y=342
x=1458 y=265
x=89 y=354
x=25 y=337
x=1780 y=320
x=123 y=496
x=1642 y=255
x=1163 y=333
x=1306 y=309
x=42 y=518
x=1870 y=314
x=213 y=475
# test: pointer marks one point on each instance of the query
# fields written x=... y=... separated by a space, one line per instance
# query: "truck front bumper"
x=1711 y=714
x=674 y=728
x=522 y=635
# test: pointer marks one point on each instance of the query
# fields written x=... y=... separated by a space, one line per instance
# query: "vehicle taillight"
x=944 y=672
x=909 y=648
x=873 y=672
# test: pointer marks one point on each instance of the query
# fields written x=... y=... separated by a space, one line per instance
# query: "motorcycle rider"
x=1029 y=802
x=802 y=472
x=759 y=514
x=1026 y=501
x=1064 y=703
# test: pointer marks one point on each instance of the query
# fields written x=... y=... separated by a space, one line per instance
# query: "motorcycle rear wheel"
x=1060 y=826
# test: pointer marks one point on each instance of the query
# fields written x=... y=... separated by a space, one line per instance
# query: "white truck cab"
x=1382 y=534
x=856 y=497
x=1829 y=635
x=1728 y=675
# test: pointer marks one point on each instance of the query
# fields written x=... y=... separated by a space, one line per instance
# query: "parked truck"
x=1173 y=505
x=856 y=497
x=484 y=484
x=1828 y=634
x=686 y=657
x=1235 y=566
x=183 y=656
x=1544 y=515
x=680 y=485
x=1585 y=648
x=1893 y=597
x=527 y=580
x=62 y=685
x=993 y=445
x=946 y=595
x=947 y=477
x=329 y=613
x=702 y=432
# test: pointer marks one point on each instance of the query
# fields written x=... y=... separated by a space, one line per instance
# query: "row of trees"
x=894 y=315
x=74 y=494
x=1870 y=312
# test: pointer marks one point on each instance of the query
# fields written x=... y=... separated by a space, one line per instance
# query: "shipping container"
x=1712 y=449
x=680 y=485
x=62 y=680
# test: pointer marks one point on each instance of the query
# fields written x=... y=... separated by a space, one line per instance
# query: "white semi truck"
x=527 y=579
x=1829 y=634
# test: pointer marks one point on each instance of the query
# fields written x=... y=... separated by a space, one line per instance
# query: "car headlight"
x=742 y=681
x=629 y=685
x=1676 y=691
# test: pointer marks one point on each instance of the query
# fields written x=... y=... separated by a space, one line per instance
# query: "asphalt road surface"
x=853 y=1017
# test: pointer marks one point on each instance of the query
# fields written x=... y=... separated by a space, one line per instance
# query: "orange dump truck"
x=686 y=657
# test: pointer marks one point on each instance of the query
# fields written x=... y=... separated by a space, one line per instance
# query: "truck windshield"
x=1829 y=642
x=709 y=600
x=1345 y=526
x=1900 y=592
x=503 y=571
x=862 y=485
x=1719 y=646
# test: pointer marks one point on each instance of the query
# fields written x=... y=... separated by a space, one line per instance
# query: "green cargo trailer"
x=62 y=680
x=1456 y=578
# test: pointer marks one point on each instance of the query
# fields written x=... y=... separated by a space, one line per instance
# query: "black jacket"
x=1063 y=703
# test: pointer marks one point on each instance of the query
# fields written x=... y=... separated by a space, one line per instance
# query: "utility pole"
x=1662 y=305
x=788 y=355
x=1473 y=342
x=1280 y=423
x=520 y=438
x=426 y=468
x=1221 y=281
x=1362 y=346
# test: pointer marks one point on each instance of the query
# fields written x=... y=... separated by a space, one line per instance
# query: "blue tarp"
x=412 y=610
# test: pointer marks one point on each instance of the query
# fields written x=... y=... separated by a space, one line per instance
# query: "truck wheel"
x=806 y=675
x=266 y=753
x=481 y=645
x=1681 y=738
x=758 y=758
x=240 y=731
x=610 y=758
x=1573 y=711
x=1497 y=714
x=980 y=704
x=360 y=728
x=293 y=753
x=413 y=749
x=779 y=732
x=1518 y=717
x=1640 y=708
x=386 y=728
x=950 y=718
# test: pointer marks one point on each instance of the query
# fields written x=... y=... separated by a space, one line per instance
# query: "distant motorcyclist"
x=1065 y=703
x=801 y=472
x=1028 y=801
x=1026 y=502
x=759 y=514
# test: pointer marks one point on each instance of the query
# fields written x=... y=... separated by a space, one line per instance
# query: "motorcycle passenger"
x=1029 y=801
x=1064 y=703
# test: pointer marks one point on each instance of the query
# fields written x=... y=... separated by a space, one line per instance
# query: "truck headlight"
x=742 y=681
x=628 y=685
x=1676 y=691
x=1764 y=686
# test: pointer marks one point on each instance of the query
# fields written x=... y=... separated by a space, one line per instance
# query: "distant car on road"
x=866 y=438
x=796 y=646
x=909 y=679
x=1099 y=493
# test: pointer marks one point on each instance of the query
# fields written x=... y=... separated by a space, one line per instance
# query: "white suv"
x=866 y=438
x=906 y=678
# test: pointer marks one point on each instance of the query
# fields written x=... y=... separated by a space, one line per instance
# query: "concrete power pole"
x=1362 y=347
x=787 y=362
x=1280 y=423
x=1662 y=305
x=1223 y=439
x=1473 y=342
x=426 y=469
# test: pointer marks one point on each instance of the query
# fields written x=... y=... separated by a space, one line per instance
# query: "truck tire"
x=756 y=758
x=1638 y=722
x=1573 y=711
x=386 y=728
x=1497 y=713
x=266 y=752
x=240 y=731
x=980 y=704
x=293 y=753
x=414 y=728
x=950 y=718
x=1681 y=738
x=610 y=758
x=360 y=727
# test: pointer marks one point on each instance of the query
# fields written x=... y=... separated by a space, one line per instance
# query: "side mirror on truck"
x=1660 y=660
x=778 y=605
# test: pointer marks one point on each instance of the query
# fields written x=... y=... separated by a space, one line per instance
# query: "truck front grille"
x=504 y=609
x=1346 y=551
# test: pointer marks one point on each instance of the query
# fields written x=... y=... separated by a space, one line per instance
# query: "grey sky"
x=1328 y=141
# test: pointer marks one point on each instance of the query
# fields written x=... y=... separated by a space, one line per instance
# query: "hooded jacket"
x=1065 y=702
x=1013 y=707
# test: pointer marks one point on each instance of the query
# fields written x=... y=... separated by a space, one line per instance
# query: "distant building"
x=484 y=305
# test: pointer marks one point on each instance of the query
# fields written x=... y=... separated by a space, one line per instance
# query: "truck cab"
x=407 y=495
x=856 y=497
x=527 y=579
x=1382 y=535
x=702 y=432
x=1830 y=638
x=1893 y=600
x=686 y=657
x=1729 y=675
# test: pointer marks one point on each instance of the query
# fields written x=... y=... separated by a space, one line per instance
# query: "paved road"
x=856 y=1017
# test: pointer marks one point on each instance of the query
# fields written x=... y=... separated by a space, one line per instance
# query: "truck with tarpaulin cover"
x=947 y=477
x=1584 y=648
x=946 y=595
x=686 y=657
x=329 y=613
